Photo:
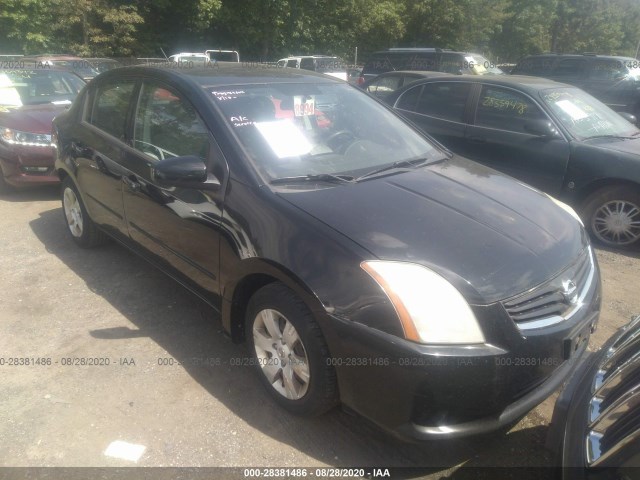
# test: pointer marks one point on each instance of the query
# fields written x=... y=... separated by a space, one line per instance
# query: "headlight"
x=566 y=208
x=15 y=137
x=430 y=309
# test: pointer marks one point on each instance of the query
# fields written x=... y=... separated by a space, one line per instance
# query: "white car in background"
x=332 y=66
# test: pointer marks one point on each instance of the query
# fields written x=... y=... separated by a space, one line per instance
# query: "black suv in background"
x=433 y=59
x=613 y=80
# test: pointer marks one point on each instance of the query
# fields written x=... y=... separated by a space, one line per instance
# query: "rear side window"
x=570 y=68
x=409 y=99
x=534 y=66
x=110 y=107
x=607 y=70
x=292 y=63
x=446 y=100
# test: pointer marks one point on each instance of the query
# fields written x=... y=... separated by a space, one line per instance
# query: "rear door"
x=176 y=227
x=501 y=138
x=97 y=149
x=440 y=109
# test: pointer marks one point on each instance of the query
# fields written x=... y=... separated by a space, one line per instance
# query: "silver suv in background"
x=332 y=66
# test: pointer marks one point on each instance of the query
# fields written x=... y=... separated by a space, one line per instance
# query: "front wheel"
x=82 y=229
x=289 y=351
x=612 y=215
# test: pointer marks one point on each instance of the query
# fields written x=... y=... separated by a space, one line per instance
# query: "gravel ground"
x=60 y=302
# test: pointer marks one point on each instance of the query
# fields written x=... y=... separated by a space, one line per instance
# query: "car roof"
x=578 y=55
x=421 y=73
x=420 y=50
x=524 y=82
x=225 y=73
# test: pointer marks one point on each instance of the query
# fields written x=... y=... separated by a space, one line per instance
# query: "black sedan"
x=361 y=262
x=547 y=134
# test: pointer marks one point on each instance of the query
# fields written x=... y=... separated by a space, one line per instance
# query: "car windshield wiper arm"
x=318 y=177
x=413 y=162
x=623 y=137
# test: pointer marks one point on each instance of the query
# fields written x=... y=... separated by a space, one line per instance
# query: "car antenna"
x=165 y=55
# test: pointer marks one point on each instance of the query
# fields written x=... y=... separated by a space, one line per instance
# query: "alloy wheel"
x=73 y=212
x=617 y=222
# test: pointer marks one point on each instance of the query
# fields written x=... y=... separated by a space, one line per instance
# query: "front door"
x=176 y=227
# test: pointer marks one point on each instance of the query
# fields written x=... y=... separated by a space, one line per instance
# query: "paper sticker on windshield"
x=470 y=59
x=284 y=138
x=574 y=112
x=227 y=94
x=303 y=105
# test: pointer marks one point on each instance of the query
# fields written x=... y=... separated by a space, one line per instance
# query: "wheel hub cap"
x=617 y=222
x=281 y=354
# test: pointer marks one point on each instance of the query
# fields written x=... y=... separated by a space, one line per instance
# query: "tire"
x=293 y=334
x=79 y=225
x=612 y=216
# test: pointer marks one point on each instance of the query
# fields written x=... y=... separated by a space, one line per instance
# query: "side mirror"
x=541 y=128
x=188 y=171
x=629 y=117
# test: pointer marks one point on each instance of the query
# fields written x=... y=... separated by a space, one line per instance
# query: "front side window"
x=409 y=99
x=168 y=126
x=584 y=116
x=506 y=109
x=446 y=100
x=110 y=107
x=309 y=129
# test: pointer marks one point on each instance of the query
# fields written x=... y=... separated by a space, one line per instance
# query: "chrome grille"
x=614 y=410
x=556 y=299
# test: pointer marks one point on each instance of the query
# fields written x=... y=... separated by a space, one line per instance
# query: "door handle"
x=478 y=139
x=132 y=183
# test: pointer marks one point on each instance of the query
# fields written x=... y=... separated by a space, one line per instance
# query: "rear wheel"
x=612 y=215
x=82 y=229
x=290 y=352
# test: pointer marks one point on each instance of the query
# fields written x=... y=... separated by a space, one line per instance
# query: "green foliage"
x=270 y=29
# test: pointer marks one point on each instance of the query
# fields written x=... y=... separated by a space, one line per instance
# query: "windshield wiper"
x=318 y=177
x=622 y=137
x=414 y=162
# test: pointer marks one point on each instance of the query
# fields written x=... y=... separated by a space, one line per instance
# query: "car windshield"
x=584 y=116
x=32 y=87
x=293 y=130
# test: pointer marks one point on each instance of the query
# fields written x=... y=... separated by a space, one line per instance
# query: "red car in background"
x=29 y=100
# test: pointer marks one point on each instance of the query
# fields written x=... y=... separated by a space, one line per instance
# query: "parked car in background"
x=190 y=59
x=222 y=55
x=432 y=59
x=613 y=80
x=362 y=262
x=29 y=100
x=332 y=66
x=353 y=74
x=595 y=428
x=104 y=64
x=80 y=66
x=387 y=83
x=550 y=135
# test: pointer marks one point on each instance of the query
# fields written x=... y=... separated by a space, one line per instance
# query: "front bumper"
x=422 y=392
x=24 y=166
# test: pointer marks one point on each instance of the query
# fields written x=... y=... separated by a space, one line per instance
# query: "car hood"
x=631 y=146
x=488 y=234
x=31 y=118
